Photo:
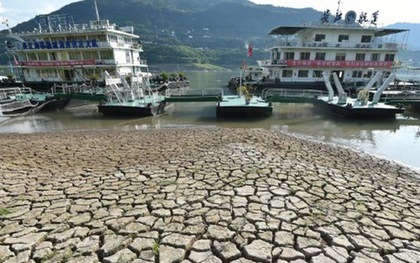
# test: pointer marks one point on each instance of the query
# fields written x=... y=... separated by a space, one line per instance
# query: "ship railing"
x=137 y=46
x=74 y=88
x=115 y=90
x=269 y=94
x=14 y=92
x=6 y=92
x=186 y=92
x=118 y=44
x=402 y=96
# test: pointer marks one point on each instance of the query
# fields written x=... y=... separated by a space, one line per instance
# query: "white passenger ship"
x=59 y=52
x=350 y=47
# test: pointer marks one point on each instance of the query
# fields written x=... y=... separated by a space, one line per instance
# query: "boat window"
x=53 y=56
x=90 y=55
x=303 y=73
x=341 y=38
x=319 y=37
x=287 y=73
x=305 y=55
x=320 y=56
x=106 y=54
x=389 y=57
x=375 y=57
x=102 y=38
x=289 y=55
x=127 y=57
x=42 y=56
x=317 y=74
x=112 y=37
x=357 y=74
x=62 y=56
x=366 y=39
x=75 y=55
x=32 y=56
x=340 y=56
x=360 y=57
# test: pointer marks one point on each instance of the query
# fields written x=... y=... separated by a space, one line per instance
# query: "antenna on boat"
x=338 y=14
x=96 y=10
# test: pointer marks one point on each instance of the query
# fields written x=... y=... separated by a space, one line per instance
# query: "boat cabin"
x=347 y=47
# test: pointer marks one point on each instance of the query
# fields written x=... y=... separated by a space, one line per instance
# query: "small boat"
x=359 y=107
x=243 y=105
x=135 y=100
x=19 y=101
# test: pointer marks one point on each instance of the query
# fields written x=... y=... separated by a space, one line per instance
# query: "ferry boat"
x=360 y=107
x=136 y=99
x=348 y=46
x=62 y=52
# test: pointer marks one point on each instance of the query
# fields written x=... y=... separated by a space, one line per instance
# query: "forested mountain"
x=191 y=31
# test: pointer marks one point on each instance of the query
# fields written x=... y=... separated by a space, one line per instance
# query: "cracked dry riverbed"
x=201 y=195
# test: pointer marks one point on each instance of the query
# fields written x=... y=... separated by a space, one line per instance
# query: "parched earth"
x=201 y=195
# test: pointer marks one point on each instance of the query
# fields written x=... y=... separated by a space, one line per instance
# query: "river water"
x=397 y=140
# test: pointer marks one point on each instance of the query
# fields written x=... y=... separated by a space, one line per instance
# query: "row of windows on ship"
x=71 y=42
x=341 y=38
x=338 y=56
x=70 y=55
x=318 y=73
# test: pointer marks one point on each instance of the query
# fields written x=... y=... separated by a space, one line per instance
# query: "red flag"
x=250 y=49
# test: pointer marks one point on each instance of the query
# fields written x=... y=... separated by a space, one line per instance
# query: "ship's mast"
x=96 y=10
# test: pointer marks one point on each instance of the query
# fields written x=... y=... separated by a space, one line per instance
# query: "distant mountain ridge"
x=210 y=31
x=223 y=17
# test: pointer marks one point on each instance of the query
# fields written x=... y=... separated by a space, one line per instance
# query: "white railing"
x=291 y=93
x=74 y=88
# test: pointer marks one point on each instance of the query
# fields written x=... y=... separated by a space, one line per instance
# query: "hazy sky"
x=390 y=12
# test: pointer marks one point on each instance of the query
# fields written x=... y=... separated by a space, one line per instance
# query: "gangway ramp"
x=291 y=95
x=204 y=95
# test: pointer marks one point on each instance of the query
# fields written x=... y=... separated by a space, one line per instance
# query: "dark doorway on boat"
x=68 y=75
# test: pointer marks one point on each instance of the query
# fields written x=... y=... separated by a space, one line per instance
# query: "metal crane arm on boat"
x=338 y=85
x=372 y=81
x=328 y=85
x=378 y=93
x=342 y=96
